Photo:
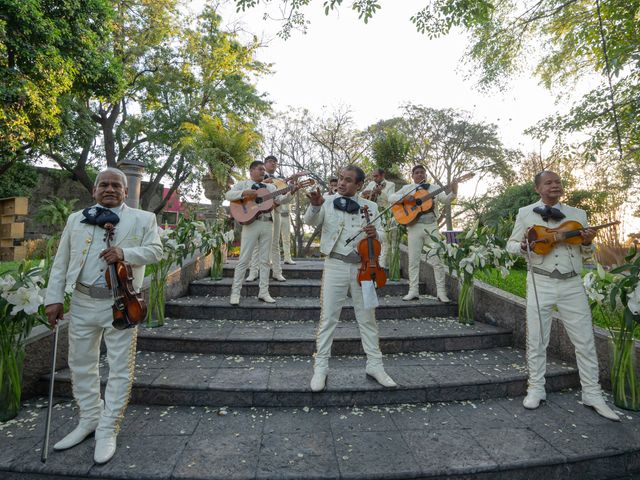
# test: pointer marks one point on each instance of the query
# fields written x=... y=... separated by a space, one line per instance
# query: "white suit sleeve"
x=517 y=235
x=58 y=275
x=236 y=192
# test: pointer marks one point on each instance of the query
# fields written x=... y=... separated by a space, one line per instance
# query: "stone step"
x=489 y=439
x=172 y=378
x=293 y=287
x=298 y=338
x=300 y=309
x=310 y=269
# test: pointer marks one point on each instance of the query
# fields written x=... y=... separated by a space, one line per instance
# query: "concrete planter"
x=497 y=307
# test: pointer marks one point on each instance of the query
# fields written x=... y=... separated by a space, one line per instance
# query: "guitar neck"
x=277 y=192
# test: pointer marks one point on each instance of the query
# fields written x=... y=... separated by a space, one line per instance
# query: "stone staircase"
x=223 y=392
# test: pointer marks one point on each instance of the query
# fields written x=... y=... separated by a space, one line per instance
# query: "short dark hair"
x=333 y=179
x=379 y=171
x=270 y=158
x=416 y=167
x=255 y=163
x=538 y=178
x=360 y=175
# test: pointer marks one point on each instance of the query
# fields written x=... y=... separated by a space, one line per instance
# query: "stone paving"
x=494 y=438
x=223 y=392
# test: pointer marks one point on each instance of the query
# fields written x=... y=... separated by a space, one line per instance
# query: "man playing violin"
x=281 y=228
x=378 y=190
x=554 y=281
x=79 y=267
x=419 y=233
x=259 y=232
x=340 y=218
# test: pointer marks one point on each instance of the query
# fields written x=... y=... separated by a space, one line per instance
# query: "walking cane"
x=47 y=429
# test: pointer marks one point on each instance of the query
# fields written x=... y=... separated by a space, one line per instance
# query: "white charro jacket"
x=576 y=254
x=335 y=221
x=136 y=234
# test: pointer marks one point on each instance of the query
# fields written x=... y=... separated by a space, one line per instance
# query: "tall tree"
x=47 y=49
x=450 y=143
x=177 y=71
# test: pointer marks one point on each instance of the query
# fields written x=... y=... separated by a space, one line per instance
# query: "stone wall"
x=497 y=307
x=58 y=183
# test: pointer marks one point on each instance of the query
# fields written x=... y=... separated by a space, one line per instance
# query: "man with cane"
x=79 y=266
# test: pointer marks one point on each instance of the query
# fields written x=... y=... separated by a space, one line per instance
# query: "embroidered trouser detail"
x=573 y=308
x=337 y=280
x=90 y=322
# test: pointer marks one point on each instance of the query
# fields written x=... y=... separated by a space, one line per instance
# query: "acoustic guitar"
x=245 y=211
x=407 y=211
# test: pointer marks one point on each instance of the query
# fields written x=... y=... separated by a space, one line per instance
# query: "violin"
x=369 y=250
x=542 y=239
x=375 y=193
x=129 y=309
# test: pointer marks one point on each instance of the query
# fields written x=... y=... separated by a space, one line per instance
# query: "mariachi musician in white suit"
x=79 y=267
x=558 y=284
x=340 y=218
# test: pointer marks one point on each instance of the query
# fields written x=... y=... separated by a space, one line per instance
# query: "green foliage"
x=55 y=212
x=178 y=71
x=390 y=150
x=506 y=205
x=48 y=48
x=18 y=181
x=223 y=147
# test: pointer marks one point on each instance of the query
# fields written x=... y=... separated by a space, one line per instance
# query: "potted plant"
x=476 y=249
x=21 y=308
x=615 y=296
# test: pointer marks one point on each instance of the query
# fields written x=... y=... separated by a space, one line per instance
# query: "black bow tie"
x=346 y=205
x=548 y=212
x=256 y=186
x=99 y=216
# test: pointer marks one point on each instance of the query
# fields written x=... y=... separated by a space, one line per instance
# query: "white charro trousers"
x=419 y=236
x=90 y=320
x=338 y=279
x=285 y=234
x=573 y=308
x=255 y=235
x=274 y=249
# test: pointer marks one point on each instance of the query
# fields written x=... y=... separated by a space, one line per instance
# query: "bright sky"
x=377 y=67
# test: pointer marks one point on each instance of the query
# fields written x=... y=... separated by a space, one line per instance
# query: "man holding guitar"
x=420 y=231
x=554 y=281
x=340 y=218
x=257 y=228
x=281 y=226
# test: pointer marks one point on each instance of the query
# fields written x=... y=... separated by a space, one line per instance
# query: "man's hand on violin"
x=370 y=230
x=112 y=255
x=315 y=197
x=54 y=312
x=588 y=235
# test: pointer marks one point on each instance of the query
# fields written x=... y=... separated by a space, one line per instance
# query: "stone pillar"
x=133 y=169
x=214 y=191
